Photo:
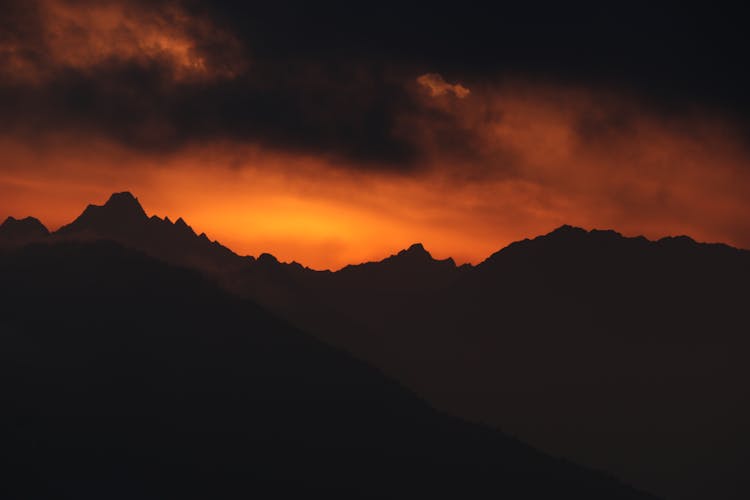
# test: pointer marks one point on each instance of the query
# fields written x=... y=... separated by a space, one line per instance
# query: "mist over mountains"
x=623 y=354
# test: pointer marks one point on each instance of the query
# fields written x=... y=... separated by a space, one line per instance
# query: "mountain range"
x=624 y=354
x=125 y=377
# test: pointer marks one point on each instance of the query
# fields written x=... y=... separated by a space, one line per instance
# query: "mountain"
x=367 y=293
x=412 y=270
x=122 y=213
x=319 y=301
x=622 y=353
x=125 y=377
x=123 y=220
x=598 y=347
x=627 y=354
x=20 y=232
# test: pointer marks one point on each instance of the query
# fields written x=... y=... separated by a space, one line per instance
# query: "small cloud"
x=437 y=86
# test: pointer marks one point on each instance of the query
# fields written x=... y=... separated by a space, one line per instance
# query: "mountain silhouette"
x=145 y=380
x=622 y=353
x=122 y=219
x=593 y=345
x=20 y=232
x=414 y=265
x=121 y=212
x=588 y=344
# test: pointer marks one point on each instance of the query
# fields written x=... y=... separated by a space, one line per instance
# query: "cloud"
x=323 y=79
x=161 y=75
x=438 y=86
x=82 y=36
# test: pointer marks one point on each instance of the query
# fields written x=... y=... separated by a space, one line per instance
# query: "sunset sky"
x=342 y=133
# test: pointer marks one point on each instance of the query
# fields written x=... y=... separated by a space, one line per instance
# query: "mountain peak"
x=567 y=229
x=416 y=250
x=124 y=202
x=22 y=230
x=418 y=255
x=122 y=211
x=267 y=258
x=27 y=222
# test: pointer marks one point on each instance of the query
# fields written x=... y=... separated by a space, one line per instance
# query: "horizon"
x=198 y=231
x=328 y=217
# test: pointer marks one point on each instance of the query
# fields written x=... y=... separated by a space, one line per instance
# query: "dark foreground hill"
x=123 y=377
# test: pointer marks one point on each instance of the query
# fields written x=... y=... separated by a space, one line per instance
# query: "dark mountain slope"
x=123 y=377
x=599 y=347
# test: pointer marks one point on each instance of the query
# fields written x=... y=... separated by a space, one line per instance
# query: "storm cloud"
x=336 y=79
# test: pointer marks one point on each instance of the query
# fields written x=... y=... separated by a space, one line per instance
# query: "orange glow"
x=532 y=158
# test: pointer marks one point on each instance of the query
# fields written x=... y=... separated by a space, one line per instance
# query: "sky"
x=340 y=132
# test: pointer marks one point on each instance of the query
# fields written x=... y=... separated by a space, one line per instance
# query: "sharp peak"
x=123 y=198
x=123 y=195
x=417 y=252
x=123 y=203
x=120 y=208
x=415 y=249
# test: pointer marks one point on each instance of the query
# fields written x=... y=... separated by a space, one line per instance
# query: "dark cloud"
x=158 y=78
x=339 y=79
x=690 y=50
